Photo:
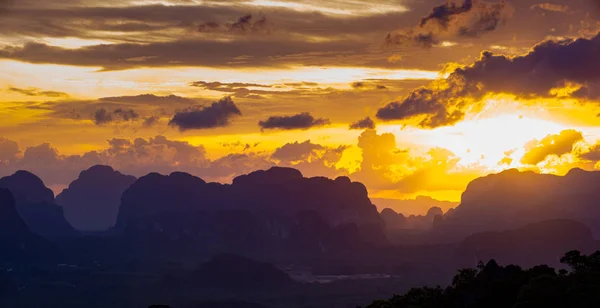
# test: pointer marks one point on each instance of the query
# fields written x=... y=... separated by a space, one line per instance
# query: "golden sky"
x=410 y=97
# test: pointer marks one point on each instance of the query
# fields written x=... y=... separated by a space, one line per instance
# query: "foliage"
x=495 y=286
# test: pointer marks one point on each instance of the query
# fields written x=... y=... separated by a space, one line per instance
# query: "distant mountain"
x=92 y=201
x=264 y=208
x=513 y=199
x=418 y=206
x=539 y=243
x=35 y=205
x=11 y=224
x=17 y=243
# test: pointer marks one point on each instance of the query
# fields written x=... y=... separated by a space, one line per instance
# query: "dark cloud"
x=244 y=24
x=245 y=53
x=424 y=101
x=126 y=114
x=363 y=85
x=593 y=154
x=451 y=20
x=554 y=144
x=124 y=108
x=150 y=121
x=366 y=123
x=102 y=116
x=296 y=151
x=441 y=14
x=299 y=121
x=218 y=114
x=549 y=65
x=38 y=92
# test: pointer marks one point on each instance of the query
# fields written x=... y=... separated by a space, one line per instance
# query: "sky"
x=410 y=97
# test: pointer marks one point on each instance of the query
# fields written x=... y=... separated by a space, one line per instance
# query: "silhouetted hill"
x=263 y=207
x=392 y=219
x=11 y=224
x=17 y=243
x=418 y=206
x=92 y=201
x=27 y=188
x=35 y=205
x=538 y=243
x=234 y=272
x=512 y=199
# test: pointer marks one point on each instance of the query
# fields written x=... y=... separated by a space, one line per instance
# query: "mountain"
x=35 y=205
x=11 y=224
x=539 y=243
x=418 y=206
x=264 y=208
x=91 y=202
x=513 y=199
x=17 y=243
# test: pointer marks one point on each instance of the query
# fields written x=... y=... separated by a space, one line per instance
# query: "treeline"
x=493 y=286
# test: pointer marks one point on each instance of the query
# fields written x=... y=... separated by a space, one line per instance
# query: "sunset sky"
x=410 y=97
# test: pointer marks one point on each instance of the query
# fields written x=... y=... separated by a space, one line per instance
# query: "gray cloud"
x=366 y=123
x=38 y=92
x=102 y=116
x=451 y=20
x=218 y=114
x=299 y=121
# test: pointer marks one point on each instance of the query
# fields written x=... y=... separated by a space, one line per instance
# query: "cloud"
x=366 y=123
x=150 y=121
x=244 y=24
x=137 y=157
x=312 y=159
x=258 y=52
x=102 y=116
x=441 y=14
x=237 y=89
x=299 y=121
x=38 y=92
x=554 y=144
x=550 y=65
x=122 y=108
x=218 y=114
x=552 y=7
x=469 y=18
x=9 y=150
x=126 y=114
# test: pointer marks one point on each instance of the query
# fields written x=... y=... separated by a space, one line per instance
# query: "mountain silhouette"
x=181 y=205
x=17 y=243
x=418 y=206
x=35 y=204
x=11 y=224
x=91 y=202
x=513 y=199
x=539 y=243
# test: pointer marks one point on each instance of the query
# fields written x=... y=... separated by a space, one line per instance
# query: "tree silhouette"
x=495 y=286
